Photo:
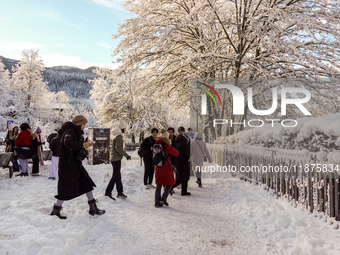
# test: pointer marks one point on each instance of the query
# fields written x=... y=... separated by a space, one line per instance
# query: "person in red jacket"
x=24 y=142
x=164 y=175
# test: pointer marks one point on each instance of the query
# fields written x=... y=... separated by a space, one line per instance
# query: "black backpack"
x=158 y=153
x=140 y=152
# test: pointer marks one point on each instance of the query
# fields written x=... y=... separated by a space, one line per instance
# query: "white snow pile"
x=226 y=216
x=319 y=134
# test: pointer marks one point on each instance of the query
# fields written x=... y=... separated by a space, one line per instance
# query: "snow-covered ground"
x=227 y=216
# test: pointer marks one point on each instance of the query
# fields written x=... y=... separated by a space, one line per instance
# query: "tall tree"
x=186 y=39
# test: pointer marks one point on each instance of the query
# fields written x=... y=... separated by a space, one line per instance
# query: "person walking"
x=39 y=158
x=55 y=148
x=74 y=180
x=182 y=162
x=198 y=153
x=164 y=175
x=26 y=151
x=146 y=146
x=12 y=134
x=117 y=152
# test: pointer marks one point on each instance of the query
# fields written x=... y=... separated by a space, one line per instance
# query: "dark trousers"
x=184 y=186
x=148 y=171
x=115 y=179
x=15 y=163
x=158 y=193
x=35 y=168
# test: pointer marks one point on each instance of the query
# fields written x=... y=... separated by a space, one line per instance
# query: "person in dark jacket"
x=24 y=143
x=172 y=138
x=164 y=175
x=182 y=162
x=146 y=146
x=55 y=148
x=117 y=152
x=74 y=180
x=12 y=134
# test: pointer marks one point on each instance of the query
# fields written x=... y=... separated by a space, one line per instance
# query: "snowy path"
x=227 y=216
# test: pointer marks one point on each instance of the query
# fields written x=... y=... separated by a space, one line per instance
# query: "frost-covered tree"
x=186 y=39
x=30 y=98
x=118 y=96
x=5 y=96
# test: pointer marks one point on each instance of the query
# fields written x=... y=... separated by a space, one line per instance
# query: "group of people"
x=25 y=145
x=180 y=154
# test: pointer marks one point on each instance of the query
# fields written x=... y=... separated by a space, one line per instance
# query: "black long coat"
x=146 y=148
x=182 y=164
x=73 y=178
x=173 y=144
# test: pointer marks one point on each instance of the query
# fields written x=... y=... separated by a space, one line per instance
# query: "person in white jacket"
x=198 y=151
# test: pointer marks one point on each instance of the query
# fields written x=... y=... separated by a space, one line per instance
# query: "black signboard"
x=100 y=152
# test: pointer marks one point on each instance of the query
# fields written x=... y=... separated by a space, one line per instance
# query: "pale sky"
x=66 y=32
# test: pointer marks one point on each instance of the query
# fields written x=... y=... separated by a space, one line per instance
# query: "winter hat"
x=122 y=125
x=181 y=129
x=79 y=120
x=38 y=130
x=163 y=132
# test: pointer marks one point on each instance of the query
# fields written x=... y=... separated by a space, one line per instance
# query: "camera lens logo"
x=213 y=90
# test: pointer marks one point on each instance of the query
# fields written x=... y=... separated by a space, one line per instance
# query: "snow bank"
x=319 y=135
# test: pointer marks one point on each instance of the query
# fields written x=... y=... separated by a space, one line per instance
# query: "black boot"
x=56 y=211
x=199 y=182
x=22 y=174
x=94 y=209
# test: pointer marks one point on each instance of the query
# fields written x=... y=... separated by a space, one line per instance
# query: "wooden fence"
x=295 y=175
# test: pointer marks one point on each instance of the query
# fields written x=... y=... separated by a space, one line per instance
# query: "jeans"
x=115 y=179
x=158 y=193
x=15 y=164
x=148 y=171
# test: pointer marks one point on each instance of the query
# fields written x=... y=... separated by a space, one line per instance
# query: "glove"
x=128 y=157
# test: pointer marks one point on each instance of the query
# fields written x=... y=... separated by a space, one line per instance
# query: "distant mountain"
x=72 y=80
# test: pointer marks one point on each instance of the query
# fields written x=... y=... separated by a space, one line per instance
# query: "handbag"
x=205 y=157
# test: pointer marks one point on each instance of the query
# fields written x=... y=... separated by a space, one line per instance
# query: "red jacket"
x=165 y=175
x=24 y=139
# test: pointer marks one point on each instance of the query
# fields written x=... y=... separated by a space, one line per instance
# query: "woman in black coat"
x=182 y=162
x=74 y=180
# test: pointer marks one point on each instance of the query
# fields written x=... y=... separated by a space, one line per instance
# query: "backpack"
x=158 y=154
x=140 y=152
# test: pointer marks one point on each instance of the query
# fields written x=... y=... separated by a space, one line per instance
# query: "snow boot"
x=94 y=209
x=56 y=211
x=22 y=174
x=199 y=182
x=186 y=194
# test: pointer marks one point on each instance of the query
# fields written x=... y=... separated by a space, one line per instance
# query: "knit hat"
x=38 y=130
x=79 y=120
x=181 y=129
x=163 y=132
x=122 y=125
